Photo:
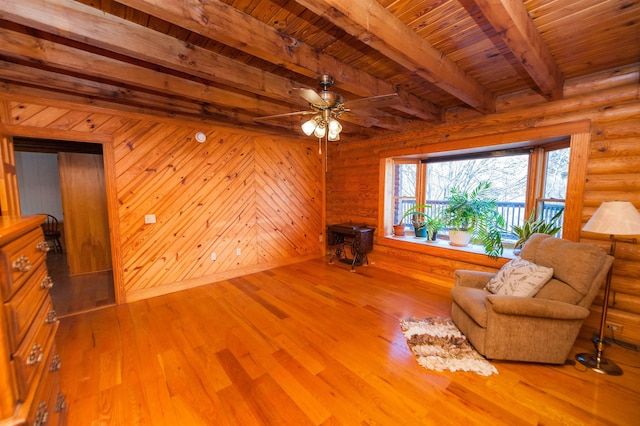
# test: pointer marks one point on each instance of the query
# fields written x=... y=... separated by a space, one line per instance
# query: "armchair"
x=542 y=328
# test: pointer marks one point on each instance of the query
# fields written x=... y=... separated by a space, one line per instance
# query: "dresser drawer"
x=49 y=405
x=23 y=255
x=35 y=350
x=22 y=308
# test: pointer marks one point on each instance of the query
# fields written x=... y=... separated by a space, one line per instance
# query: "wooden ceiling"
x=229 y=62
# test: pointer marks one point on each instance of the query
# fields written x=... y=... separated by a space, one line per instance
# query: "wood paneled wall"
x=611 y=101
x=258 y=196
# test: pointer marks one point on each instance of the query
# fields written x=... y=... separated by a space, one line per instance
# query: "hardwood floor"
x=79 y=293
x=310 y=344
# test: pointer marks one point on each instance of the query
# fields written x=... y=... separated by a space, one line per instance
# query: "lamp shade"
x=308 y=127
x=320 y=131
x=614 y=218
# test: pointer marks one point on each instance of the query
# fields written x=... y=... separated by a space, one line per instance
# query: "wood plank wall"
x=258 y=195
x=611 y=101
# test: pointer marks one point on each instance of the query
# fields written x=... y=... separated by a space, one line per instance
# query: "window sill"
x=472 y=253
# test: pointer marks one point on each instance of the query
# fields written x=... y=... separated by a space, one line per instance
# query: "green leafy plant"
x=475 y=212
x=434 y=224
x=420 y=219
x=534 y=226
x=418 y=215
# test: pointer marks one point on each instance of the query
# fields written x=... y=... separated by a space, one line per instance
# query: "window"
x=556 y=173
x=521 y=179
x=404 y=188
x=506 y=171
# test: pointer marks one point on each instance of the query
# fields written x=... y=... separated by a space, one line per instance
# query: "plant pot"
x=421 y=232
x=398 y=230
x=459 y=238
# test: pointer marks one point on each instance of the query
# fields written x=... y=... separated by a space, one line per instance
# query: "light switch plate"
x=149 y=218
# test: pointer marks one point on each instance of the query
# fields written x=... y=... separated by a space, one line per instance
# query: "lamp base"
x=599 y=364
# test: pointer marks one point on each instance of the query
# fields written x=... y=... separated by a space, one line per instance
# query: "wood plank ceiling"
x=230 y=62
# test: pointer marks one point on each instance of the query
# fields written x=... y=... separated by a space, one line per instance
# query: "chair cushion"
x=519 y=277
x=557 y=290
x=575 y=264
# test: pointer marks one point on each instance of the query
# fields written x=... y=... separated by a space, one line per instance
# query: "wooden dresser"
x=29 y=385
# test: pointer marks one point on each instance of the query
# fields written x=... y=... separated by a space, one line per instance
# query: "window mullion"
x=535 y=183
x=421 y=183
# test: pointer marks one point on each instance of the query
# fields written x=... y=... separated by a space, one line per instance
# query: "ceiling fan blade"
x=380 y=101
x=288 y=114
x=311 y=96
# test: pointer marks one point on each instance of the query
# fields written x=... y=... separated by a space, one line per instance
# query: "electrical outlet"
x=238 y=252
x=616 y=328
x=213 y=256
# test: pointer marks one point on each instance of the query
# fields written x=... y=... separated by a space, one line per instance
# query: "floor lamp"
x=612 y=218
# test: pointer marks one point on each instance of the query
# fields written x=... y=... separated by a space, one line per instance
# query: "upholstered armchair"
x=537 y=328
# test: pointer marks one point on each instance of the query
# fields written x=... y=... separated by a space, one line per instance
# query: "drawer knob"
x=47 y=283
x=22 y=264
x=43 y=246
x=61 y=404
x=56 y=363
x=35 y=356
x=42 y=415
x=51 y=317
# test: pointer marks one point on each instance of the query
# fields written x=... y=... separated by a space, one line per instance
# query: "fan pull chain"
x=319 y=146
x=326 y=153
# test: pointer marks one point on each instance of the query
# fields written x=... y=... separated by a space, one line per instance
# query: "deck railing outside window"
x=513 y=213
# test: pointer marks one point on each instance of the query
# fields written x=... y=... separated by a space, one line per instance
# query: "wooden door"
x=84 y=203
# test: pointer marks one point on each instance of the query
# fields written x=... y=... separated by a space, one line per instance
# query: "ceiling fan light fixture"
x=334 y=126
x=320 y=131
x=308 y=127
x=334 y=136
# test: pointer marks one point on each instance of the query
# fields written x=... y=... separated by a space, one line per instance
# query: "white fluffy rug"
x=439 y=345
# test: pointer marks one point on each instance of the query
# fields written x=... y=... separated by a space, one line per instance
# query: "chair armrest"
x=532 y=307
x=475 y=279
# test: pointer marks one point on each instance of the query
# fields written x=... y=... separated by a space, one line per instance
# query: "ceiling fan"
x=327 y=106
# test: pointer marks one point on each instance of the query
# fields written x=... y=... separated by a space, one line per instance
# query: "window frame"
x=578 y=136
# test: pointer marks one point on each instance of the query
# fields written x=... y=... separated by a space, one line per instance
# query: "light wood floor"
x=78 y=293
x=310 y=344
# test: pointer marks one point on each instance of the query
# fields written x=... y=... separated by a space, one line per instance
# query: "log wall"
x=258 y=196
x=611 y=103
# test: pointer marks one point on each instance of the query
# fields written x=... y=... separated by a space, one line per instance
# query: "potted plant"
x=418 y=220
x=398 y=230
x=419 y=225
x=532 y=226
x=434 y=224
x=473 y=216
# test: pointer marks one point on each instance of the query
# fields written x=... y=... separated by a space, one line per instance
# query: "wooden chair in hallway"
x=52 y=232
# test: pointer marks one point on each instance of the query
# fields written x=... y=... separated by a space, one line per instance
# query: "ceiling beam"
x=219 y=21
x=31 y=49
x=372 y=24
x=21 y=93
x=512 y=22
x=85 y=24
x=60 y=82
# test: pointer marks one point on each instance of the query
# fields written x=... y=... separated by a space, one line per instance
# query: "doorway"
x=66 y=180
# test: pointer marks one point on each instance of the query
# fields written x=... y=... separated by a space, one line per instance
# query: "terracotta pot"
x=398 y=230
